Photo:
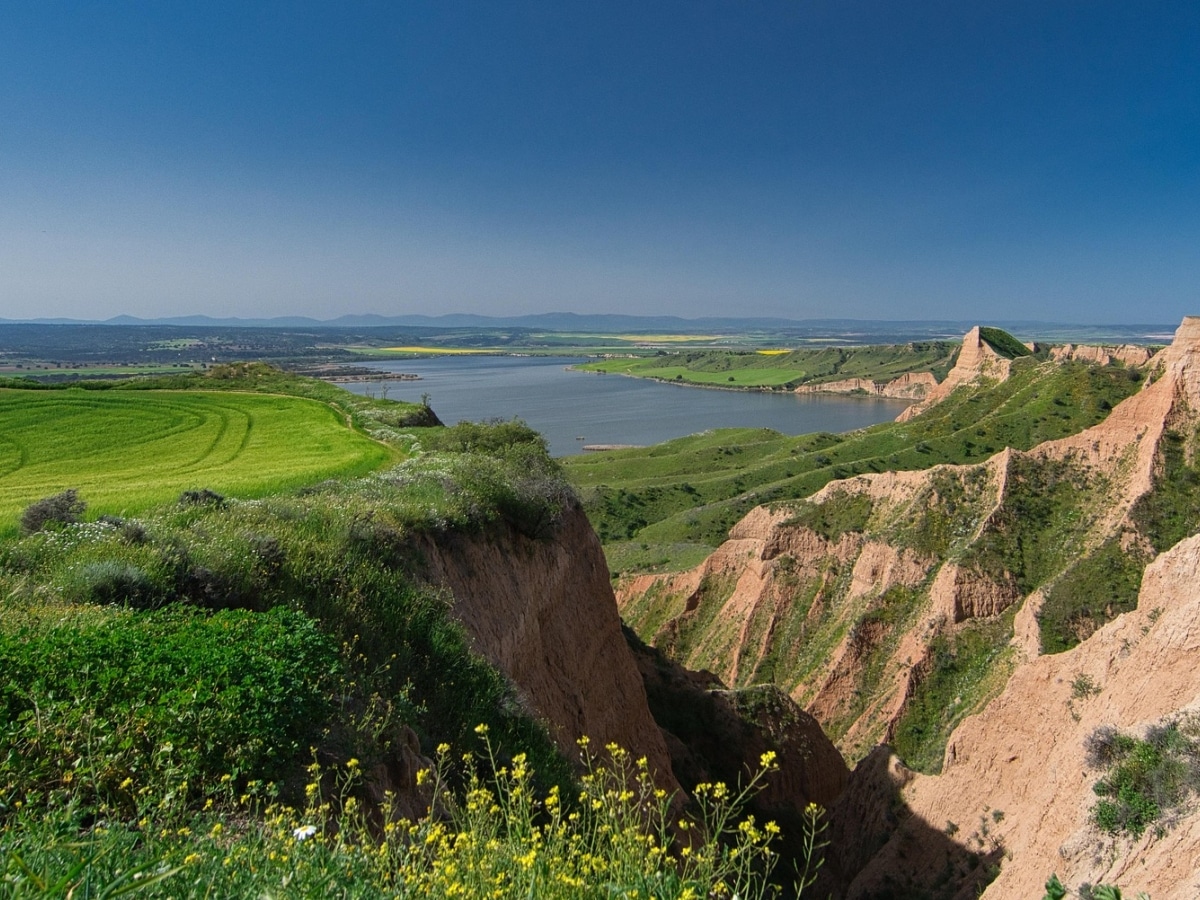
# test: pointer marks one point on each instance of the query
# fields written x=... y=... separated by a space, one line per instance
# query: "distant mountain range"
x=615 y=324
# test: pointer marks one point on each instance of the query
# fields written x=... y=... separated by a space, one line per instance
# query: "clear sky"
x=803 y=158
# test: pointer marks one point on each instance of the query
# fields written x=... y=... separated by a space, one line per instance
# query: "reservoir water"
x=566 y=405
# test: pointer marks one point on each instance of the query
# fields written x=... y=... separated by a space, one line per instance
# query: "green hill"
x=664 y=507
x=786 y=369
x=246 y=431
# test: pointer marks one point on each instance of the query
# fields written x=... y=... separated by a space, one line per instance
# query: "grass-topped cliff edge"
x=260 y=695
x=245 y=429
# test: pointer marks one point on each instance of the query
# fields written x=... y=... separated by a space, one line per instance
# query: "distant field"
x=776 y=368
x=125 y=451
x=439 y=351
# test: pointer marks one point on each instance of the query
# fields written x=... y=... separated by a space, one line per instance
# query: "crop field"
x=772 y=367
x=125 y=451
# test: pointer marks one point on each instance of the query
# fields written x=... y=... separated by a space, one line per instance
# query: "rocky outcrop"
x=1126 y=354
x=1018 y=778
x=959 y=594
x=976 y=360
x=542 y=611
x=909 y=386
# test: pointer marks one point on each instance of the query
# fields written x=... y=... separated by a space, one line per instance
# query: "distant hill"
x=850 y=331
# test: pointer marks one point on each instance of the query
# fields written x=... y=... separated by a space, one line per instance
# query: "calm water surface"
x=609 y=409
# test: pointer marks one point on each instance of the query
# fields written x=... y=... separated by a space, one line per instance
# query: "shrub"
x=109 y=581
x=202 y=497
x=61 y=509
x=92 y=711
x=1147 y=779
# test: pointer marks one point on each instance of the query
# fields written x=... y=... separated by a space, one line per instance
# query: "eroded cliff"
x=893 y=606
x=542 y=611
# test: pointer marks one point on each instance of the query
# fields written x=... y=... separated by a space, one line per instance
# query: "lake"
x=567 y=406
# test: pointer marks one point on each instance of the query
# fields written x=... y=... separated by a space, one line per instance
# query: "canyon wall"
x=901 y=605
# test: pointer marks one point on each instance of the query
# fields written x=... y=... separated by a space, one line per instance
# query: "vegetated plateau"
x=269 y=693
x=786 y=369
x=274 y=692
x=904 y=583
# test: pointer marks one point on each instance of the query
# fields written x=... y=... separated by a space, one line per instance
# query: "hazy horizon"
x=694 y=158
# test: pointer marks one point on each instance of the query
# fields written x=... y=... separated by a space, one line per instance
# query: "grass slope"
x=128 y=451
x=746 y=369
x=656 y=508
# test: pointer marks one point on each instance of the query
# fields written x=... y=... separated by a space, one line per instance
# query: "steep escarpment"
x=909 y=386
x=977 y=359
x=1128 y=354
x=964 y=615
x=542 y=611
x=1019 y=777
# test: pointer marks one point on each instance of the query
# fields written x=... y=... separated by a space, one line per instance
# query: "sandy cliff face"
x=542 y=611
x=846 y=621
x=843 y=622
x=1017 y=777
x=976 y=360
x=909 y=386
x=1127 y=354
x=853 y=623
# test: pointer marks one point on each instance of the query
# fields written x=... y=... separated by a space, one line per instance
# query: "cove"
x=566 y=405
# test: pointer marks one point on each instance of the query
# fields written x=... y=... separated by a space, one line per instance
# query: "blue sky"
x=808 y=158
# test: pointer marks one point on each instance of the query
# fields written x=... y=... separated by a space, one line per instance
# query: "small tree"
x=61 y=509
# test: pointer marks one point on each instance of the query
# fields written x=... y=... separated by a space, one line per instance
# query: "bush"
x=61 y=509
x=109 y=581
x=91 y=712
x=202 y=497
x=1147 y=779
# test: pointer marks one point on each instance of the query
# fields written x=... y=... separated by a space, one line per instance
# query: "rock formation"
x=976 y=360
x=909 y=386
x=1127 y=354
x=856 y=599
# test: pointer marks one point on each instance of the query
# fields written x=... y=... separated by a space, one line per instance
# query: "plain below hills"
x=241 y=430
x=785 y=369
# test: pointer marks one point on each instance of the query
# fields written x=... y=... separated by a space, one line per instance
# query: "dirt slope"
x=1017 y=777
x=542 y=611
x=894 y=606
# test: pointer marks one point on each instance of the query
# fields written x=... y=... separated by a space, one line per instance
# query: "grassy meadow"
x=227 y=697
x=784 y=369
x=127 y=451
x=658 y=508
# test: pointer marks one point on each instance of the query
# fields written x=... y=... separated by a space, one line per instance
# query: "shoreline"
x=861 y=395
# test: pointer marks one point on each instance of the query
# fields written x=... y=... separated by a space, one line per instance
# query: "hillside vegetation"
x=243 y=430
x=785 y=369
x=248 y=697
x=662 y=508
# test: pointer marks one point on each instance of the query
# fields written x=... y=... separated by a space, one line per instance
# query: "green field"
x=657 y=508
x=126 y=451
x=773 y=369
